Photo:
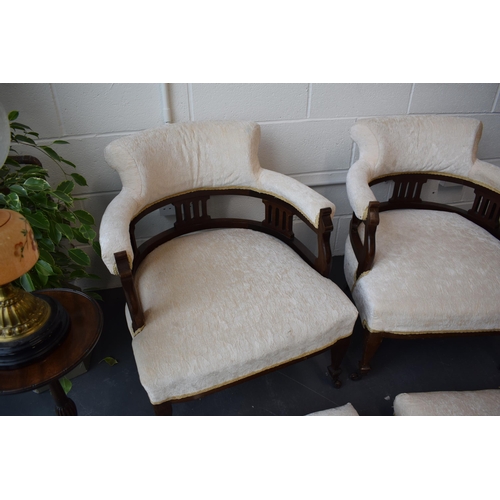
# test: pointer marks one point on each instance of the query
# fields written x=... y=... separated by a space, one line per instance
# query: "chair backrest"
x=428 y=143
x=179 y=158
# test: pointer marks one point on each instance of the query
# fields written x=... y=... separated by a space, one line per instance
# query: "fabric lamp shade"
x=18 y=248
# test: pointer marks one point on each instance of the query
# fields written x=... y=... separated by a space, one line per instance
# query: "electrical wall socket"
x=167 y=211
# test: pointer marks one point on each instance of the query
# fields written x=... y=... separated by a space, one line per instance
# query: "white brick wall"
x=305 y=127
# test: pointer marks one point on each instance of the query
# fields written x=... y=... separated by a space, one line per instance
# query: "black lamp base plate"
x=22 y=352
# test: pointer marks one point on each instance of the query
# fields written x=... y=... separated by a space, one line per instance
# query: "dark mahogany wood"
x=192 y=215
x=85 y=330
x=130 y=291
x=407 y=190
x=26 y=160
x=65 y=407
x=338 y=352
x=163 y=409
x=365 y=250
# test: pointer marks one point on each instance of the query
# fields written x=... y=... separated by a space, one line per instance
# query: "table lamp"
x=31 y=324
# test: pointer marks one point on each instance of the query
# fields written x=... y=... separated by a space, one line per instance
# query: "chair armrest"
x=365 y=250
x=114 y=234
x=486 y=174
x=302 y=197
x=359 y=191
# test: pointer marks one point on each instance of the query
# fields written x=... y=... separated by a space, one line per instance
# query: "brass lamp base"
x=31 y=325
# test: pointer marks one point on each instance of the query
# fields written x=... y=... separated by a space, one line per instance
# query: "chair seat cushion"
x=222 y=305
x=448 y=403
x=434 y=272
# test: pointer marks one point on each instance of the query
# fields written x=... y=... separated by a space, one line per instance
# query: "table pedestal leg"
x=64 y=405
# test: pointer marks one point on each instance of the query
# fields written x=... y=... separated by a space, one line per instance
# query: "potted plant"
x=58 y=227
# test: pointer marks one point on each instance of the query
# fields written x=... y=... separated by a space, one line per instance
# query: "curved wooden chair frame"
x=485 y=212
x=192 y=215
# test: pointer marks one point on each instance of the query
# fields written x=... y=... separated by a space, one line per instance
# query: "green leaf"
x=109 y=360
x=46 y=244
x=13 y=115
x=87 y=232
x=19 y=126
x=13 y=201
x=38 y=219
x=43 y=268
x=68 y=216
x=66 y=187
x=45 y=255
x=79 y=257
x=78 y=236
x=19 y=190
x=66 y=230
x=11 y=162
x=94 y=295
x=59 y=141
x=42 y=199
x=37 y=282
x=27 y=283
x=32 y=169
x=43 y=279
x=51 y=153
x=63 y=197
x=24 y=139
x=78 y=273
x=68 y=163
x=84 y=217
x=97 y=248
x=36 y=184
x=79 y=179
x=54 y=233
x=66 y=384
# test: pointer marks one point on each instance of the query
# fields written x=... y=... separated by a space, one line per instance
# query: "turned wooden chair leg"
x=163 y=409
x=371 y=344
x=338 y=352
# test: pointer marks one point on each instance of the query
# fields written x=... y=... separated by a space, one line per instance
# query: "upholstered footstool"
x=341 y=411
x=448 y=403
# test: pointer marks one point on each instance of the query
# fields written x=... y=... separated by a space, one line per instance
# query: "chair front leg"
x=371 y=343
x=338 y=352
x=163 y=409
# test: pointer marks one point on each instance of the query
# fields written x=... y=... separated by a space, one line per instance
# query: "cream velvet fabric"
x=341 y=411
x=433 y=272
x=412 y=144
x=224 y=304
x=448 y=403
x=178 y=158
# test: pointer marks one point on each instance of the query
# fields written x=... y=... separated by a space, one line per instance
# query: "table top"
x=84 y=332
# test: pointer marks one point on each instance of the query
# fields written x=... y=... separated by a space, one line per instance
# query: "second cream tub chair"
x=418 y=268
x=213 y=301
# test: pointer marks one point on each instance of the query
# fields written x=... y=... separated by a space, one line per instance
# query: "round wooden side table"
x=84 y=332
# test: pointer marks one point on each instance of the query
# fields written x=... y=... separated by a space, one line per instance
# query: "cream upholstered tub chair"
x=484 y=403
x=418 y=268
x=213 y=301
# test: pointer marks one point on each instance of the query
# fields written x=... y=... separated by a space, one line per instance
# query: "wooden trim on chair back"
x=485 y=211
x=192 y=215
